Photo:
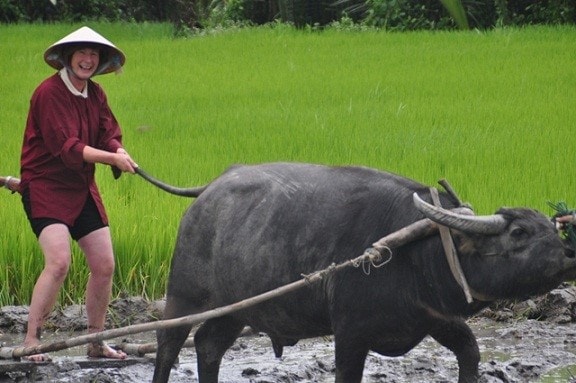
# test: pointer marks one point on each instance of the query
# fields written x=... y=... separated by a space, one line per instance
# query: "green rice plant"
x=491 y=112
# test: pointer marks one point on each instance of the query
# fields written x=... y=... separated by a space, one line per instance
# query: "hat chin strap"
x=101 y=68
x=113 y=61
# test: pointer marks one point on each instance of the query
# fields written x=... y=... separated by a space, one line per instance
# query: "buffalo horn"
x=489 y=224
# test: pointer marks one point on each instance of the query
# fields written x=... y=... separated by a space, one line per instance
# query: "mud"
x=530 y=341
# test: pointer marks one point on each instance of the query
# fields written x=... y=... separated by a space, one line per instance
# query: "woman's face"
x=84 y=62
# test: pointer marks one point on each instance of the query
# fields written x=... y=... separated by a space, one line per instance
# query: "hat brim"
x=112 y=58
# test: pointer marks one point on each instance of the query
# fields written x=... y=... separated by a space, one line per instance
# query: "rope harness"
x=452 y=257
x=374 y=257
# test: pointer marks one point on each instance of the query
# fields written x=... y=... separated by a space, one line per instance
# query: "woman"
x=69 y=129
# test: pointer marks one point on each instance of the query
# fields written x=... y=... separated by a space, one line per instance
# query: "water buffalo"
x=258 y=227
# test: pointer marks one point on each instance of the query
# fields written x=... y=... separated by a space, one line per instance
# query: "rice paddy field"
x=493 y=112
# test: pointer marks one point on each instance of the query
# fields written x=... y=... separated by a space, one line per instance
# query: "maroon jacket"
x=58 y=128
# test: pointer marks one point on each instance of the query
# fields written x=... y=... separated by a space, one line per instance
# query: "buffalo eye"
x=518 y=233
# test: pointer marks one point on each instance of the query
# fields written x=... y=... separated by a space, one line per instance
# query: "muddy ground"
x=531 y=341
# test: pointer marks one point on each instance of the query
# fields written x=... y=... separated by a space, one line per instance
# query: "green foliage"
x=468 y=106
x=12 y=11
x=457 y=11
x=385 y=13
x=189 y=16
x=561 y=208
x=530 y=12
x=405 y=15
x=444 y=14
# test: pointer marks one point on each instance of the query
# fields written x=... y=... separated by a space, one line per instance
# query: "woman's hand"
x=124 y=162
x=10 y=183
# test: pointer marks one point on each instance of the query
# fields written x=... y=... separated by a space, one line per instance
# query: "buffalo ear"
x=465 y=242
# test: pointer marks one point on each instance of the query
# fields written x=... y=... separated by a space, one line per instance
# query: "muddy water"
x=521 y=351
x=526 y=351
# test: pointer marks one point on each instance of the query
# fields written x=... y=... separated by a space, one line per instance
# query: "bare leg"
x=97 y=246
x=55 y=244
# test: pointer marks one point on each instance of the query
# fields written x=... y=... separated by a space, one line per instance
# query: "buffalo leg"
x=212 y=340
x=349 y=362
x=459 y=338
x=170 y=340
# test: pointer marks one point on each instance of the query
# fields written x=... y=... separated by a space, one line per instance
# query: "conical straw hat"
x=111 y=58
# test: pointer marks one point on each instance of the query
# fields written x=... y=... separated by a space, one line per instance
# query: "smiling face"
x=83 y=63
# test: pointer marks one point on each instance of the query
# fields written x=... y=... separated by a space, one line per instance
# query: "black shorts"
x=88 y=221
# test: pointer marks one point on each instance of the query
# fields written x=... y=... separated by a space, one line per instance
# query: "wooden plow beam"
x=141 y=349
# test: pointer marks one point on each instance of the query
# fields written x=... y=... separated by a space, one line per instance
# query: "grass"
x=492 y=112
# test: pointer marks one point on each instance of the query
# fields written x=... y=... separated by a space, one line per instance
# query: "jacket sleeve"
x=57 y=126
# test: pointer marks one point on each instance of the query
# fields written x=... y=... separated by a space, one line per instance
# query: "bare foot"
x=38 y=358
x=102 y=350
